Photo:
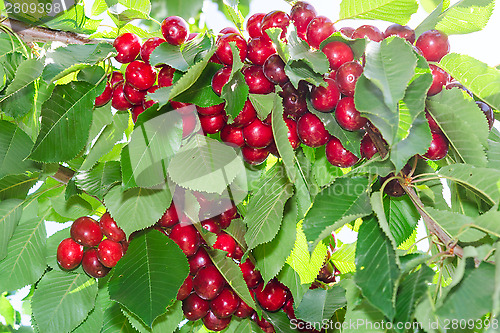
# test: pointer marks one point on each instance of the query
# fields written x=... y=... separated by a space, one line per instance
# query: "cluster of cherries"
x=87 y=246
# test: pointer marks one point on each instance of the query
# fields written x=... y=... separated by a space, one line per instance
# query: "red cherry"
x=257 y=134
x=208 y=283
x=105 y=97
x=273 y=296
x=211 y=110
x=227 y=216
x=193 y=35
x=246 y=116
x=186 y=236
x=220 y=78
x=438 y=148
x=319 y=29
x=175 y=30
x=134 y=96
x=69 y=254
x=85 y=231
x=347 y=116
x=136 y=111
x=311 y=131
x=224 y=305
x=169 y=218
x=301 y=15
x=294 y=100
x=368 y=31
x=128 y=47
x=250 y=274
x=264 y=325
x=225 y=243
x=91 y=264
x=439 y=80
x=185 y=289
x=367 y=147
x=211 y=225
x=116 y=78
x=149 y=46
x=254 y=24
x=259 y=49
x=194 y=307
x=254 y=156
x=109 y=252
x=213 y=124
x=337 y=155
x=274 y=70
x=119 y=101
x=199 y=260
x=110 y=229
x=325 y=99
x=166 y=76
x=238 y=253
x=338 y=53
x=140 y=75
x=232 y=135
x=188 y=124
x=275 y=19
x=213 y=323
x=229 y=30
x=257 y=81
x=347 y=31
x=224 y=52
x=432 y=123
x=433 y=44
x=293 y=137
x=402 y=31
x=183 y=108
x=243 y=310
x=347 y=76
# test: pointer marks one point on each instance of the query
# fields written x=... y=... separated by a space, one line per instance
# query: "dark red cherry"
x=275 y=19
x=148 y=47
x=246 y=116
x=337 y=155
x=392 y=188
x=326 y=273
x=272 y=297
x=319 y=29
x=224 y=52
x=488 y=113
x=220 y=78
x=243 y=310
x=259 y=49
x=293 y=137
x=257 y=81
x=439 y=80
x=185 y=289
x=140 y=75
x=368 y=31
x=254 y=156
x=294 y=100
x=347 y=116
x=432 y=123
x=110 y=229
x=232 y=135
x=347 y=76
x=119 y=101
x=105 y=97
x=402 y=31
x=301 y=14
x=128 y=47
x=211 y=110
x=433 y=44
x=254 y=25
x=69 y=254
x=91 y=264
x=227 y=216
x=347 y=31
x=264 y=325
x=85 y=231
x=224 y=305
x=194 y=307
x=183 y=108
x=250 y=274
x=208 y=282
x=109 y=252
x=175 y=30
x=214 y=323
x=257 y=134
x=169 y=218
x=186 y=236
x=367 y=147
x=438 y=148
x=338 y=53
x=116 y=77
x=136 y=110
x=325 y=99
x=166 y=76
x=225 y=243
x=213 y=124
x=229 y=30
x=134 y=96
x=211 y=225
x=199 y=260
x=274 y=70
x=238 y=253
x=311 y=131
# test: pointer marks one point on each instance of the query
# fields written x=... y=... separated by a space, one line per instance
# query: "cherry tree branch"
x=63 y=174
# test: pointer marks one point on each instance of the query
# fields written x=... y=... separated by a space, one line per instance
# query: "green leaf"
x=320 y=304
x=324 y=172
x=169 y=54
x=454 y=224
x=14 y=148
x=115 y=321
x=431 y=20
x=478 y=77
x=357 y=45
x=141 y=5
x=377 y=271
x=481 y=180
x=299 y=50
x=263 y=104
x=149 y=205
x=234 y=13
x=100 y=179
x=351 y=202
x=66 y=121
x=344 y=258
x=465 y=16
x=280 y=133
x=71 y=208
x=94 y=321
x=10 y=214
x=265 y=207
x=280 y=322
x=16 y=186
x=7 y=312
x=62 y=301
x=235 y=91
x=201 y=92
x=397 y=11
x=411 y=290
x=290 y=278
x=298 y=70
x=402 y=217
x=154 y=267
x=450 y=109
x=168 y=322
x=270 y=257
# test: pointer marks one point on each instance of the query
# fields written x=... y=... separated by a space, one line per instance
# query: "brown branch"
x=30 y=34
x=63 y=174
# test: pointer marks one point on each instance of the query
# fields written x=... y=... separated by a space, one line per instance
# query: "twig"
x=63 y=174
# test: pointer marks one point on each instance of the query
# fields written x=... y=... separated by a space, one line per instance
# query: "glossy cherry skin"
x=257 y=134
x=183 y=108
x=347 y=76
x=254 y=25
x=175 y=30
x=136 y=110
x=166 y=76
x=105 y=97
x=254 y=156
x=432 y=123
x=402 y=31
x=85 y=231
x=393 y=188
x=128 y=47
x=338 y=53
x=188 y=124
x=438 y=148
x=488 y=113
x=186 y=236
x=211 y=110
x=69 y=254
x=227 y=216
x=243 y=310
x=92 y=266
x=220 y=78
x=337 y=155
x=140 y=75
x=259 y=49
x=433 y=44
x=257 y=81
x=301 y=15
x=294 y=100
x=185 y=289
x=214 y=323
x=347 y=116
x=368 y=31
x=264 y=325
x=133 y=95
x=211 y=225
x=275 y=19
x=347 y=31
x=208 y=282
x=109 y=252
x=119 y=101
x=274 y=70
x=439 y=80
x=213 y=124
x=272 y=297
x=232 y=135
x=250 y=274
x=246 y=116
x=319 y=29
x=148 y=47
x=293 y=137
x=110 y=229
x=199 y=260
x=225 y=243
x=194 y=307
x=224 y=305
x=224 y=52
x=311 y=131
x=367 y=147
x=116 y=78
x=169 y=218
x=325 y=99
